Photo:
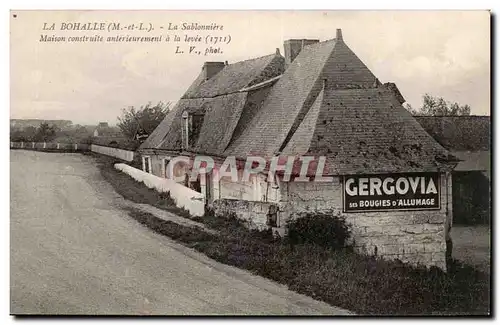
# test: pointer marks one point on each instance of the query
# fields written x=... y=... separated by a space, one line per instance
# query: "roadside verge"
x=339 y=277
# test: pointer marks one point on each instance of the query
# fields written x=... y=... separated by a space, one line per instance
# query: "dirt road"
x=74 y=250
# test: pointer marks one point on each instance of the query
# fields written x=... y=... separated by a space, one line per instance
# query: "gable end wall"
x=416 y=237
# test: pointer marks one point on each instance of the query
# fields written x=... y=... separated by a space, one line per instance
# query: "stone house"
x=111 y=136
x=318 y=100
x=104 y=130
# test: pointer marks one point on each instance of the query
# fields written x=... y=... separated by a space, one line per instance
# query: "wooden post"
x=11 y=144
x=22 y=144
x=44 y=145
x=32 y=145
x=58 y=146
x=76 y=146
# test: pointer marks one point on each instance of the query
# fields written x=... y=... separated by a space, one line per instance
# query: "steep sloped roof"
x=326 y=103
x=255 y=100
x=162 y=130
x=300 y=142
x=366 y=130
x=236 y=76
x=459 y=133
x=295 y=92
x=220 y=100
x=222 y=114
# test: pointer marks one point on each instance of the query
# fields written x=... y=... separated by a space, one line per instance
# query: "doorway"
x=209 y=187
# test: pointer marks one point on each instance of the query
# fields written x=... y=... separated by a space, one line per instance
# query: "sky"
x=443 y=53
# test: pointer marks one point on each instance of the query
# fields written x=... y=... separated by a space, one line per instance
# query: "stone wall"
x=416 y=237
x=160 y=169
x=252 y=212
x=227 y=189
x=256 y=189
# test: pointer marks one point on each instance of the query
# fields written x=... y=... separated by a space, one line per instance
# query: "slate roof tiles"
x=220 y=100
x=326 y=102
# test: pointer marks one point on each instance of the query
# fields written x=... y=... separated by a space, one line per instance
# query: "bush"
x=229 y=223
x=318 y=228
x=339 y=277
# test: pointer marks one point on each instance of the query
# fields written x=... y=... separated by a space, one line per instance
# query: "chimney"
x=339 y=35
x=294 y=46
x=210 y=69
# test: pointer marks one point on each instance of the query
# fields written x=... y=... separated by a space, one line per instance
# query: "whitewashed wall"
x=184 y=197
x=113 y=152
x=416 y=237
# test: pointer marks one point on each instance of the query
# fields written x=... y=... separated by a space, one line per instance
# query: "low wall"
x=113 y=152
x=184 y=197
x=254 y=213
x=50 y=146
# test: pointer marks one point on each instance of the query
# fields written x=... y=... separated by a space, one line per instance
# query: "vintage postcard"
x=249 y=163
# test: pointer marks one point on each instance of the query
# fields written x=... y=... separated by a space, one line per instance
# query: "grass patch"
x=171 y=229
x=340 y=277
x=133 y=190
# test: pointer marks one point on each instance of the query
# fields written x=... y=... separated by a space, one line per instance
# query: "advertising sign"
x=410 y=191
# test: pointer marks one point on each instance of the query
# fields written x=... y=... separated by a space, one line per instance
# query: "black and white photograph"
x=250 y=163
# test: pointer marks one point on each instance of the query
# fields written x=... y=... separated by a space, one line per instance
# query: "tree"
x=23 y=135
x=134 y=122
x=45 y=132
x=438 y=106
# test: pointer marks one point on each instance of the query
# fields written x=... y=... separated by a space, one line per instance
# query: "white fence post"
x=32 y=145
x=44 y=145
x=11 y=144
x=76 y=146
x=22 y=144
x=58 y=146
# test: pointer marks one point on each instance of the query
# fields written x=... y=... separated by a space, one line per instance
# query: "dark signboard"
x=411 y=191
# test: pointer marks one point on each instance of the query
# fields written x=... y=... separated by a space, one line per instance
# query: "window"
x=164 y=167
x=185 y=130
x=146 y=164
x=196 y=185
x=272 y=216
x=272 y=220
x=191 y=127
x=196 y=123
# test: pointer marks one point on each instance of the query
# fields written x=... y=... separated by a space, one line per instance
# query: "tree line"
x=438 y=106
x=136 y=124
x=42 y=133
